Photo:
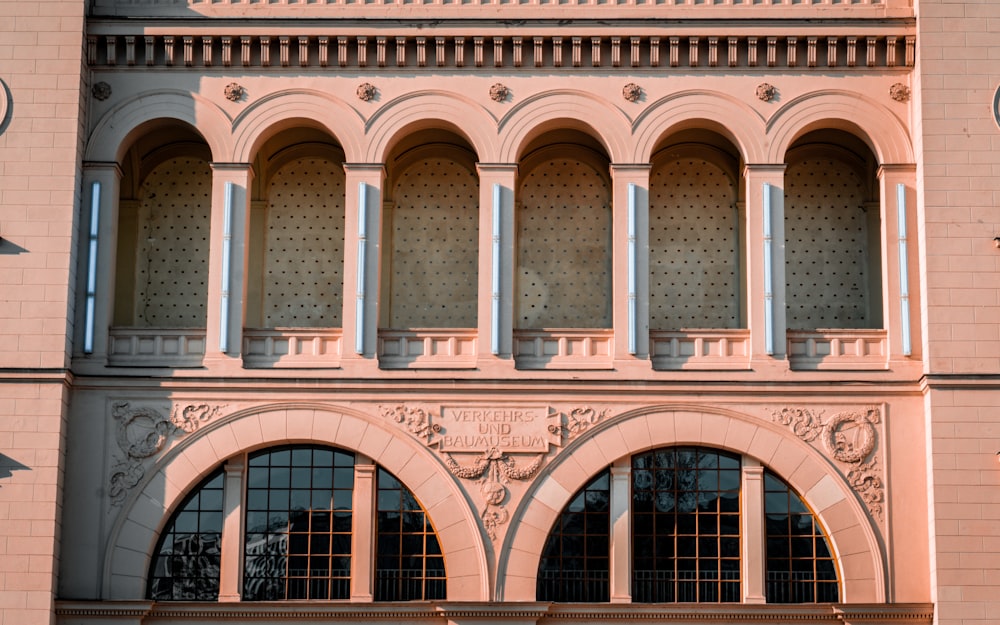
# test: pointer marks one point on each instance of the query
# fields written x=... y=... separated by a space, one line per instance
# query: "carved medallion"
x=234 y=92
x=899 y=92
x=101 y=91
x=366 y=91
x=631 y=92
x=766 y=91
x=499 y=92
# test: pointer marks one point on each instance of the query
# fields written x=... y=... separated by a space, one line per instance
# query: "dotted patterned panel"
x=303 y=270
x=693 y=264
x=435 y=238
x=826 y=243
x=563 y=276
x=172 y=268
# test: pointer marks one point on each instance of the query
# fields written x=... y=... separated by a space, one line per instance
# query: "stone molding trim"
x=441 y=613
x=887 y=46
x=180 y=466
x=854 y=537
x=865 y=474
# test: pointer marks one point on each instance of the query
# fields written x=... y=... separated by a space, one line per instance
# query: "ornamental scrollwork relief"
x=849 y=437
x=577 y=421
x=143 y=432
x=416 y=421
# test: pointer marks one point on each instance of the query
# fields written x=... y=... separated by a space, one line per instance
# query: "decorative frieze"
x=849 y=437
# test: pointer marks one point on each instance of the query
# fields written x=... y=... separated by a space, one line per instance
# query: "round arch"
x=869 y=121
x=561 y=109
x=852 y=535
x=133 y=537
x=282 y=109
x=430 y=109
x=115 y=131
x=718 y=112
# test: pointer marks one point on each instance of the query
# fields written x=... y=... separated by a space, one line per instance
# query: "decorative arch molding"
x=114 y=132
x=133 y=536
x=854 y=538
x=873 y=123
x=536 y=114
x=699 y=109
x=430 y=109
x=282 y=109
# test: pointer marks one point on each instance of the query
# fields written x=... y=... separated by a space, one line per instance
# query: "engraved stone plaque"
x=467 y=429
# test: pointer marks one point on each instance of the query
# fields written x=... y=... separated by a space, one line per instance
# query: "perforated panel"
x=172 y=268
x=693 y=264
x=825 y=246
x=303 y=273
x=434 y=246
x=563 y=277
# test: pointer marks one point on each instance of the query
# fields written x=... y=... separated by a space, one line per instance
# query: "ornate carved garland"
x=849 y=437
x=495 y=466
x=142 y=432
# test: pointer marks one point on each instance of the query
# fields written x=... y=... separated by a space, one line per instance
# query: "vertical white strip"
x=768 y=286
x=495 y=309
x=632 y=313
x=227 y=241
x=95 y=220
x=359 y=336
x=904 y=279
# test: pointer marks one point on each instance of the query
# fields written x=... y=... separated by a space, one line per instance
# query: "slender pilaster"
x=621 y=532
x=362 y=234
x=363 y=537
x=101 y=182
x=765 y=262
x=630 y=260
x=753 y=531
x=231 y=556
x=897 y=239
x=227 y=263
x=497 y=185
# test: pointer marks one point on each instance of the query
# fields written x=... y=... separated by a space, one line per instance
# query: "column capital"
x=102 y=166
x=496 y=168
x=764 y=168
x=899 y=169
x=364 y=167
x=626 y=167
x=233 y=167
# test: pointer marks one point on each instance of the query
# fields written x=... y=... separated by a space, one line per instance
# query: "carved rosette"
x=849 y=437
x=234 y=92
x=899 y=92
x=766 y=91
x=143 y=432
x=631 y=92
x=366 y=91
x=101 y=91
x=499 y=92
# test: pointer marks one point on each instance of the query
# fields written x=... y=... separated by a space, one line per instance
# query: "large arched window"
x=686 y=507
x=298 y=506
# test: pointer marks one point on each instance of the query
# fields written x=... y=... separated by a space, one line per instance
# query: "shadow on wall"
x=9 y=465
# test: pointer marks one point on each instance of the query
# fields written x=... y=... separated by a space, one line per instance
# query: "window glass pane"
x=409 y=566
x=185 y=565
x=799 y=567
x=686 y=517
x=575 y=559
x=290 y=540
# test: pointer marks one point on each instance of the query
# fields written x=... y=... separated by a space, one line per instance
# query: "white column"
x=497 y=185
x=96 y=272
x=227 y=264
x=363 y=536
x=621 y=532
x=630 y=306
x=362 y=237
x=753 y=531
x=765 y=263
x=231 y=556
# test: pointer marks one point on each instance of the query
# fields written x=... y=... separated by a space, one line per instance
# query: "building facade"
x=483 y=312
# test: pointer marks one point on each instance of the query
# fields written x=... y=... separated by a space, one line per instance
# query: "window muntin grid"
x=172 y=249
x=800 y=564
x=409 y=564
x=435 y=246
x=563 y=276
x=303 y=281
x=686 y=526
x=298 y=524
x=693 y=250
x=576 y=558
x=186 y=563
